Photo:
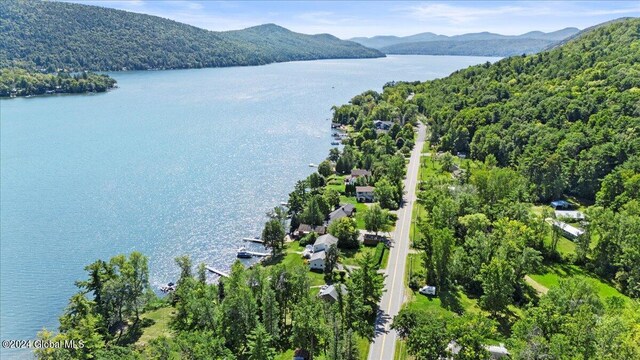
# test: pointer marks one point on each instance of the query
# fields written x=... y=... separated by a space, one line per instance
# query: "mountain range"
x=475 y=44
x=57 y=35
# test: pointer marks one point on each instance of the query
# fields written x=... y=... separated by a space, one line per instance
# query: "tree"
x=331 y=198
x=325 y=169
x=313 y=214
x=334 y=154
x=346 y=230
x=185 y=264
x=270 y=312
x=306 y=325
x=376 y=219
x=259 y=345
x=316 y=181
x=385 y=194
x=273 y=236
x=331 y=260
x=279 y=213
x=497 y=284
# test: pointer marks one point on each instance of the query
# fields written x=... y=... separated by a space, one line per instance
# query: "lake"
x=170 y=163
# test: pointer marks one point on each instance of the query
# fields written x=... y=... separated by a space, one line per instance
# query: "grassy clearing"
x=290 y=259
x=552 y=274
x=160 y=324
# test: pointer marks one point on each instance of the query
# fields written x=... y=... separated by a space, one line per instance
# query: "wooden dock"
x=255 y=240
x=217 y=272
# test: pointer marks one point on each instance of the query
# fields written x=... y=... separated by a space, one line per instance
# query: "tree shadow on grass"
x=450 y=300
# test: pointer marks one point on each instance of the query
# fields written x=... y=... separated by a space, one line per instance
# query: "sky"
x=346 y=19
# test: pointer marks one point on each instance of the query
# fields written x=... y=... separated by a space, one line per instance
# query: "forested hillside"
x=496 y=47
x=567 y=119
x=474 y=44
x=55 y=35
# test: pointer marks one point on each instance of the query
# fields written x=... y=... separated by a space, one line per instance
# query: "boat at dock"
x=335 y=143
x=242 y=253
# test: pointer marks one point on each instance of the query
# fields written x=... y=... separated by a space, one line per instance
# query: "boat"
x=242 y=253
x=335 y=143
x=313 y=165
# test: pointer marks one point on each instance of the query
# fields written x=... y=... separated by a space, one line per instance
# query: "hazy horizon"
x=371 y=18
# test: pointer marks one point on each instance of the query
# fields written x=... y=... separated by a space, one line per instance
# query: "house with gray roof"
x=324 y=242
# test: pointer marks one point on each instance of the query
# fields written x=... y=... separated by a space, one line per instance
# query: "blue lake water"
x=170 y=163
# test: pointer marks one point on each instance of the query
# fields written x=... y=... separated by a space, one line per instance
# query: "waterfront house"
x=304 y=229
x=324 y=242
x=317 y=260
x=365 y=193
x=330 y=292
x=346 y=210
x=355 y=174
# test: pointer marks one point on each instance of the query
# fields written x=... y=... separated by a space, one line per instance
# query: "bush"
x=308 y=239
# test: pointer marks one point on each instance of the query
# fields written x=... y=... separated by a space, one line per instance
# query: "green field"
x=160 y=326
x=552 y=274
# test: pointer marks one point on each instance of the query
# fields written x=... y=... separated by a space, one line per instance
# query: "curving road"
x=384 y=343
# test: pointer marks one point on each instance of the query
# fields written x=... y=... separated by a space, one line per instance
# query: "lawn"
x=160 y=326
x=431 y=168
x=352 y=256
x=552 y=274
x=291 y=259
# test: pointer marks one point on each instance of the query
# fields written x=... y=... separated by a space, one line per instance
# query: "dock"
x=255 y=240
x=217 y=272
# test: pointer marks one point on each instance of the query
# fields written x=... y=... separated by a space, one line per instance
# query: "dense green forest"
x=20 y=82
x=495 y=47
x=565 y=118
x=54 y=35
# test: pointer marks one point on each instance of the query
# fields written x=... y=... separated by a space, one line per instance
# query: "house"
x=356 y=173
x=324 y=242
x=343 y=211
x=304 y=229
x=330 y=292
x=569 y=214
x=317 y=260
x=561 y=205
x=364 y=193
x=568 y=231
x=382 y=125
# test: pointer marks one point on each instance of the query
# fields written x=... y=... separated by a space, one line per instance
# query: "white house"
x=317 y=260
x=365 y=193
x=324 y=242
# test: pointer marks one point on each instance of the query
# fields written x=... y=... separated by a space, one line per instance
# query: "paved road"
x=384 y=344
